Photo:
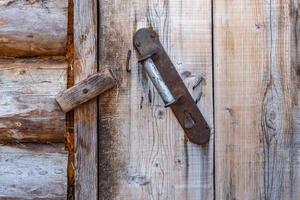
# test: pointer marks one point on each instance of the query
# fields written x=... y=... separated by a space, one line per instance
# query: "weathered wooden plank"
x=28 y=110
x=33 y=172
x=257 y=106
x=85 y=116
x=85 y=90
x=33 y=27
x=142 y=151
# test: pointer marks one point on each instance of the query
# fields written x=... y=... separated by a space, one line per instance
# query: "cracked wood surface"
x=33 y=27
x=142 y=150
x=33 y=171
x=28 y=110
x=256 y=97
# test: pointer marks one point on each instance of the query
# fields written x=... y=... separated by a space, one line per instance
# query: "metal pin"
x=158 y=82
x=200 y=79
x=198 y=98
x=128 y=61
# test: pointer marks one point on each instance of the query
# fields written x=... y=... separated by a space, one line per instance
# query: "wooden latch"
x=86 y=90
x=170 y=86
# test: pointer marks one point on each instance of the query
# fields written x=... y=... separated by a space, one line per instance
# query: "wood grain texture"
x=257 y=106
x=33 y=172
x=142 y=150
x=85 y=90
x=33 y=27
x=28 y=110
x=85 y=116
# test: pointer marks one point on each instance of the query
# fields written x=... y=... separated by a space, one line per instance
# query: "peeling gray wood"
x=33 y=27
x=142 y=150
x=28 y=110
x=257 y=106
x=85 y=116
x=33 y=172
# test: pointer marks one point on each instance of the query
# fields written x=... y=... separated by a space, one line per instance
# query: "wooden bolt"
x=86 y=90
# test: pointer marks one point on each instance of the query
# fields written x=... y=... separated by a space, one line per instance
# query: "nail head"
x=85 y=91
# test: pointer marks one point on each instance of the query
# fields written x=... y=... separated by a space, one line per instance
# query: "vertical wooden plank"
x=142 y=151
x=85 y=117
x=190 y=48
x=256 y=95
x=294 y=51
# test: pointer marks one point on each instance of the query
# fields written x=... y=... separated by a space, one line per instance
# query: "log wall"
x=33 y=69
x=33 y=172
x=28 y=110
x=33 y=27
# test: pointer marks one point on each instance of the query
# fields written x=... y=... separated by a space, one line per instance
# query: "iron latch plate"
x=148 y=46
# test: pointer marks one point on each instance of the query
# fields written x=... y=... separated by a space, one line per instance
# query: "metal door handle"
x=170 y=86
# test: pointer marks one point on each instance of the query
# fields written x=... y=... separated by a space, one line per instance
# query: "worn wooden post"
x=85 y=116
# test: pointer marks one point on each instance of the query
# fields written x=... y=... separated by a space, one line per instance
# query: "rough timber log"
x=33 y=27
x=33 y=172
x=28 y=110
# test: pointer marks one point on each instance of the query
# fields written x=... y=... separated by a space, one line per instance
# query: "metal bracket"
x=170 y=86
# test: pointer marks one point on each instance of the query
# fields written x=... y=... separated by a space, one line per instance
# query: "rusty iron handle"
x=170 y=86
x=159 y=83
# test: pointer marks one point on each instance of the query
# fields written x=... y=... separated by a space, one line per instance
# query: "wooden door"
x=142 y=150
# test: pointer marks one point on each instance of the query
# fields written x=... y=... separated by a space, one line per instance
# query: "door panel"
x=256 y=99
x=142 y=150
